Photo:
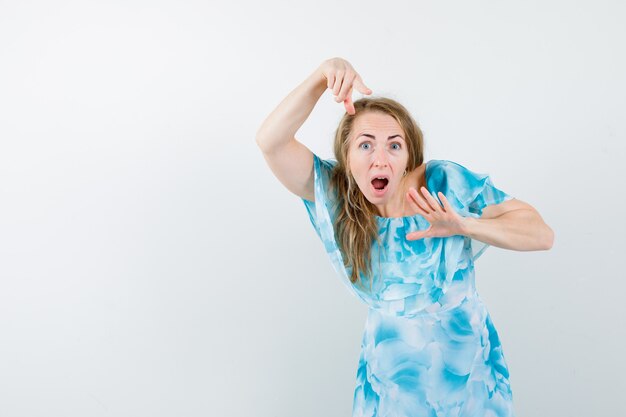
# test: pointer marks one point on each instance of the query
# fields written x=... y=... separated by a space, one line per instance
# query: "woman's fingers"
x=348 y=103
x=419 y=234
x=346 y=86
x=409 y=196
x=339 y=80
x=434 y=204
x=446 y=204
x=358 y=82
x=419 y=201
x=330 y=81
x=414 y=235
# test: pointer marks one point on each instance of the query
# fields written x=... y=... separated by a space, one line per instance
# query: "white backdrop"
x=151 y=264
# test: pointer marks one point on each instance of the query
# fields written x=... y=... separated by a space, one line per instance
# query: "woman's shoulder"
x=444 y=175
x=442 y=168
x=443 y=164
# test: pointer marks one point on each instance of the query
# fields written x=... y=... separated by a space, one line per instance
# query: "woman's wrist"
x=317 y=83
x=467 y=226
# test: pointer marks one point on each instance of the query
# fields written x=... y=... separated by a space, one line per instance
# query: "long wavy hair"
x=355 y=225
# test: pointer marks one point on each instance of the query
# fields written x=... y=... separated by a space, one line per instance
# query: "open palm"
x=444 y=220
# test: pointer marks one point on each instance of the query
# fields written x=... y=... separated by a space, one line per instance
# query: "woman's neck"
x=415 y=179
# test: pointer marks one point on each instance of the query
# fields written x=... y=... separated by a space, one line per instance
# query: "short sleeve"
x=322 y=213
x=322 y=169
x=468 y=191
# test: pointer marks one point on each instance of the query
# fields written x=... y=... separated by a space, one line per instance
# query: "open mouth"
x=380 y=184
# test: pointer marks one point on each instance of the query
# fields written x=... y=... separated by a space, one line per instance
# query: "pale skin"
x=512 y=224
x=378 y=148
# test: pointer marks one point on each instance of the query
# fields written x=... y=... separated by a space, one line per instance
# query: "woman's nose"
x=380 y=159
x=380 y=162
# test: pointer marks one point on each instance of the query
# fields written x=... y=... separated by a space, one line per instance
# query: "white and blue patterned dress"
x=429 y=347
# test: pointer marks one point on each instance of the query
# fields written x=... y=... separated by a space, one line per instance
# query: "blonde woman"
x=403 y=234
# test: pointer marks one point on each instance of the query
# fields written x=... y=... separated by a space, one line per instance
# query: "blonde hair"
x=355 y=225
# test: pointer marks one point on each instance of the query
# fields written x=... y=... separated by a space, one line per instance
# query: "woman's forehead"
x=375 y=123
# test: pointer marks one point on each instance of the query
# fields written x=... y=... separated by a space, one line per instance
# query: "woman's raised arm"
x=291 y=161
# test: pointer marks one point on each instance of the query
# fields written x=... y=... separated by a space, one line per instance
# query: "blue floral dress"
x=429 y=347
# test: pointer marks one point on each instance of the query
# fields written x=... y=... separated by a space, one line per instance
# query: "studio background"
x=152 y=265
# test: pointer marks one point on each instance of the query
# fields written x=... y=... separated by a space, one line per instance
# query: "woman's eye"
x=364 y=144
x=397 y=145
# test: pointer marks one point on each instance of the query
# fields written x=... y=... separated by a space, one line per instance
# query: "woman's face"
x=377 y=149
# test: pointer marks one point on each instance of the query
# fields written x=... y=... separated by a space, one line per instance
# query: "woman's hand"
x=444 y=221
x=341 y=77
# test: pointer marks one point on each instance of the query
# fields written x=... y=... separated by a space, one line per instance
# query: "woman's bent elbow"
x=548 y=238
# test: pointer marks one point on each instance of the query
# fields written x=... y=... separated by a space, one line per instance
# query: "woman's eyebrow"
x=374 y=137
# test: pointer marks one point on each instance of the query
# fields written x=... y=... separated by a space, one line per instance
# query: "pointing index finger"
x=349 y=104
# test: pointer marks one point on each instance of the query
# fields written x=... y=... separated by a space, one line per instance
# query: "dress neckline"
x=416 y=214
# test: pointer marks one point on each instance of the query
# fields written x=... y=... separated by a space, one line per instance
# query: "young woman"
x=402 y=234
